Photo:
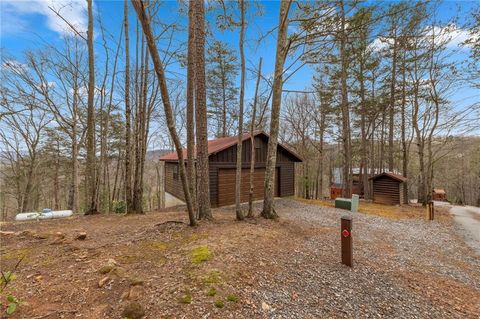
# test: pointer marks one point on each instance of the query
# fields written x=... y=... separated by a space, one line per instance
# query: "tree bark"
x=157 y=62
x=238 y=176
x=346 y=139
x=128 y=120
x=91 y=169
x=191 y=171
x=392 y=100
x=203 y=190
x=280 y=56
x=252 y=141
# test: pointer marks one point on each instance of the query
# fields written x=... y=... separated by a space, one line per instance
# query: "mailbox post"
x=346 y=239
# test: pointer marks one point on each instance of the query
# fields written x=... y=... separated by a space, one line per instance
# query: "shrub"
x=200 y=254
x=119 y=206
x=212 y=292
x=219 y=303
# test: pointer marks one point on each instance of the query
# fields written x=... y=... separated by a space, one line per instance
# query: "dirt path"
x=290 y=268
x=468 y=218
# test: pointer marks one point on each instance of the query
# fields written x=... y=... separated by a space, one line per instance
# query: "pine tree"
x=222 y=92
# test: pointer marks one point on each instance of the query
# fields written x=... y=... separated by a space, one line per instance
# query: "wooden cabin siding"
x=173 y=185
x=287 y=179
x=226 y=160
x=386 y=191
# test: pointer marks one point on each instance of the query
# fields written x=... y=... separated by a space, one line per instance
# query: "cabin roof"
x=220 y=144
x=396 y=177
x=439 y=191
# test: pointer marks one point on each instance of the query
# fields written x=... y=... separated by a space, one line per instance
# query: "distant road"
x=468 y=217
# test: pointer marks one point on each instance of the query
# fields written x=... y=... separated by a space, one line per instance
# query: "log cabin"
x=222 y=155
x=387 y=188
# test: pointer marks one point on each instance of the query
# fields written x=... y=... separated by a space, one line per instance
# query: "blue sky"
x=30 y=24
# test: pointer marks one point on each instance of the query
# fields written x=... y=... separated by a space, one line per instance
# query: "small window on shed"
x=175 y=172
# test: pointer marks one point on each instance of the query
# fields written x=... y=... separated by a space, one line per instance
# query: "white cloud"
x=450 y=35
x=380 y=43
x=73 y=11
x=15 y=66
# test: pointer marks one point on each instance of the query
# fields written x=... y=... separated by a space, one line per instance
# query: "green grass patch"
x=17 y=254
x=232 y=298
x=200 y=254
x=186 y=299
x=219 y=303
x=195 y=237
x=211 y=292
x=154 y=245
x=213 y=277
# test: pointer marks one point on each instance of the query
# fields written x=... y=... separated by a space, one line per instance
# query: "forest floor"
x=404 y=266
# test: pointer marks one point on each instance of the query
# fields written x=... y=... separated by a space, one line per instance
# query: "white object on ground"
x=354 y=203
x=47 y=215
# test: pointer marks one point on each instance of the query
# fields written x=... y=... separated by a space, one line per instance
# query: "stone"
x=135 y=281
x=40 y=236
x=135 y=293
x=60 y=235
x=265 y=306
x=81 y=236
x=103 y=281
x=7 y=233
x=105 y=269
x=133 y=310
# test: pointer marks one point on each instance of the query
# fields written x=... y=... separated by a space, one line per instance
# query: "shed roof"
x=439 y=191
x=396 y=177
x=222 y=143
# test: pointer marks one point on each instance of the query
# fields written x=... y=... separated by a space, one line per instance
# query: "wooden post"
x=431 y=211
x=346 y=239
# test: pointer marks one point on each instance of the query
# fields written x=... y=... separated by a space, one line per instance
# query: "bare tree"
x=203 y=187
x=238 y=175
x=128 y=120
x=191 y=171
x=91 y=169
x=157 y=62
x=252 y=141
x=280 y=56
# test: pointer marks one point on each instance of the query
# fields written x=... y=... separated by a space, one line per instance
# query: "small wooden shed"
x=439 y=194
x=387 y=188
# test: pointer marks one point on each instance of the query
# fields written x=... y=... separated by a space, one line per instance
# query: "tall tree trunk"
x=238 y=176
x=91 y=170
x=203 y=189
x=74 y=195
x=56 y=201
x=363 y=110
x=252 y=141
x=157 y=62
x=321 y=149
x=403 y=132
x=280 y=56
x=128 y=114
x=392 y=102
x=347 y=149
x=191 y=172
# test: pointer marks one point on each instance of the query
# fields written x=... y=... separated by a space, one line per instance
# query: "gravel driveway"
x=403 y=269
x=468 y=218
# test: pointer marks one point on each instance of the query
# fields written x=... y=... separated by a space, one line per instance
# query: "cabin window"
x=175 y=172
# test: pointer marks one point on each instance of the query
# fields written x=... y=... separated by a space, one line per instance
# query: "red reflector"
x=345 y=233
